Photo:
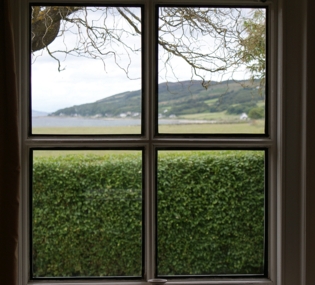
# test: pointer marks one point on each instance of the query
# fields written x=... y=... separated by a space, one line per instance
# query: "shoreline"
x=164 y=121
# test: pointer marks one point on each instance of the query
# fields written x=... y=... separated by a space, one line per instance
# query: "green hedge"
x=87 y=214
x=211 y=214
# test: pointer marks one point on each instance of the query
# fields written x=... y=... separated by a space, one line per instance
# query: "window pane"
x=212 y=70
x=87 y=213
x=210 y=212
x=86 y=70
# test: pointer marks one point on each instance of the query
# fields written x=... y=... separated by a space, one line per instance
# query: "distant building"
x=244 y=116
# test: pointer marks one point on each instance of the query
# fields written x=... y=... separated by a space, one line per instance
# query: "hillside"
x=176 y=98
x=36 y=113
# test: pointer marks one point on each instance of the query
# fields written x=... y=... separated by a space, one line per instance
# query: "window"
x=155 y=155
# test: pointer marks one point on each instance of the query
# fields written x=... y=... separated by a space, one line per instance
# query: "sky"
x=82 y=81
x=85 y=80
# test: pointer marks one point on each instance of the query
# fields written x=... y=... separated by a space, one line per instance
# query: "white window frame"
x=290 y=211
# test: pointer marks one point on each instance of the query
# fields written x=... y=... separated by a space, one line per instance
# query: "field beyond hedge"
x=87 y=214
x=252 y=127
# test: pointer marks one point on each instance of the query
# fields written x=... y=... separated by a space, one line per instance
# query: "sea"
x=50 y=121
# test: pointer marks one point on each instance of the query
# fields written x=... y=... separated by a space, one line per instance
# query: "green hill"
x=177 y=98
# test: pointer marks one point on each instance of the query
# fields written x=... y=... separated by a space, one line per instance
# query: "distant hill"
x=38 y=113
x=176 y=98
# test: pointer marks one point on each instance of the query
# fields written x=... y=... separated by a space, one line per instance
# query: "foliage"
x=240 y=108
x=253 y=47
x=257 y=113
x=210 y=214
x=87 y=214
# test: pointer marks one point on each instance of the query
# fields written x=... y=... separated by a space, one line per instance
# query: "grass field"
x=256 y=127
x=245 y=128
x=93 y=153
x=87 y=130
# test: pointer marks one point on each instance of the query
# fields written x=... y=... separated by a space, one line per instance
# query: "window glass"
x=86 y=70
x=211 y=212
x=202 y=211
x=211 y=70
x=87 y=213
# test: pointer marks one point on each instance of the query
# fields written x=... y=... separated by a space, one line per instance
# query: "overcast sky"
x=82 y=81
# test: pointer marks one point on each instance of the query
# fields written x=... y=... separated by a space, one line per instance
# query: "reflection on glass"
x=212 y=70
x=210 y=213
x=86 y=213
x=86 y=70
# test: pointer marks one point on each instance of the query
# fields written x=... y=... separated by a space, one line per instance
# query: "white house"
x=243 y=116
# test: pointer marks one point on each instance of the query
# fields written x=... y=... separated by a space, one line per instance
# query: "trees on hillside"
x=209 y=40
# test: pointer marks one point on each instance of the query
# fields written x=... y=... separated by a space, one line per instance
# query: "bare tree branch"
x=210 y=40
